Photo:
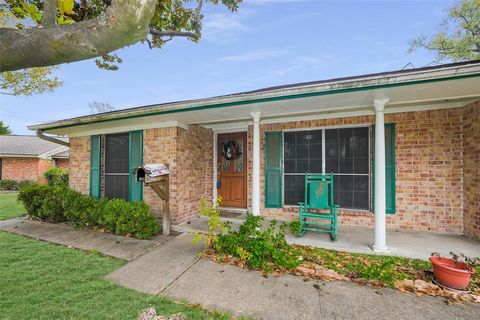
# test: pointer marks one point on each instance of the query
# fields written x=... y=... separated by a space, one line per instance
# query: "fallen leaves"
x=422 y=287
x=367 y=270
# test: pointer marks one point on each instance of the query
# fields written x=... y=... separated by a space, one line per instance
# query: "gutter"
x=42 y=136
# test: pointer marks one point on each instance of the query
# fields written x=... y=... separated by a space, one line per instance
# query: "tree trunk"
x=124 y=23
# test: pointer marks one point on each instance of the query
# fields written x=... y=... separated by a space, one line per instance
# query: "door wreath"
x=231 y=150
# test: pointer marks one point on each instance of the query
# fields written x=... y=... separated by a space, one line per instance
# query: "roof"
x=30 y=146
x=61 y=155
x=371 y=81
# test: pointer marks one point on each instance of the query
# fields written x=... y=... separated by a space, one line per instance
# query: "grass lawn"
x=9 y=207
x=46 y=281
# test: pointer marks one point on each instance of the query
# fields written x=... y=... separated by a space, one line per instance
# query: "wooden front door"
x=232 y=169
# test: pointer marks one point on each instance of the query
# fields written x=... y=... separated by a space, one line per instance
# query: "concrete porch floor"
x=357 y=240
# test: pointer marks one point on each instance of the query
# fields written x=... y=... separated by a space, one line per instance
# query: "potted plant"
x=454 y=272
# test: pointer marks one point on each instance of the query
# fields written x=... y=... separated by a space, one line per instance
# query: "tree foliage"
x=62 y=31
x=4 y=129
x=459 y=35
x=27 y=81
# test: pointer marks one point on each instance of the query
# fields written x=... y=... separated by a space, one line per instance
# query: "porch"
x=357 y=239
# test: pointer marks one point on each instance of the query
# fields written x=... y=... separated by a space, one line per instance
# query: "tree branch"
x=124 y=23
x=171 y=33
x=49 y=13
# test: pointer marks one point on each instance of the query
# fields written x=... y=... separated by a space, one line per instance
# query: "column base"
x=379 y=249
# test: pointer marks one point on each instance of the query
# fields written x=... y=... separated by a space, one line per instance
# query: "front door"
x=231 y=169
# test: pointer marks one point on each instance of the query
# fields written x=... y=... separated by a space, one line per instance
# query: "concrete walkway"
x=418 y=245
x=175 y=270
x=124 y=248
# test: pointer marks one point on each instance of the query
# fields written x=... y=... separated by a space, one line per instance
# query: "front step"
x=236 y=213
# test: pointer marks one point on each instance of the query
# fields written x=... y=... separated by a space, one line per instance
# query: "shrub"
x=8 y=185
x=123 y=217
x=57 y=177
x=295 y=228
x=259 y=248
x=55 y=203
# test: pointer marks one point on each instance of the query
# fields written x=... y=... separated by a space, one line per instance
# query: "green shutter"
x=95 y=161
x=273 y=169
x=135 y=159
x=389 y=167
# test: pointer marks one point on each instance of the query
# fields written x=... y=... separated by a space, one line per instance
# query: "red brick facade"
x=80 y=164
x=189 y=155
x=437 y=172
x=20 y=169
x=429 y=171
x=61 y=163
x=471 y=158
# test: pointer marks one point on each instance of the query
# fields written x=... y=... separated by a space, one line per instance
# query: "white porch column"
x=256 y=164
x=380 y=199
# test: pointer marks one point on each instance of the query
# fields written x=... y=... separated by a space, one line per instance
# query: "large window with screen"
x=342 y=151
x=116 y=165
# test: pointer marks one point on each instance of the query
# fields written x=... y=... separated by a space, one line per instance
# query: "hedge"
x=57 y=177
x=57 y=204
x=13 y=184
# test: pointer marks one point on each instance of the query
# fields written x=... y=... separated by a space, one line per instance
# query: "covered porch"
x=356 y=239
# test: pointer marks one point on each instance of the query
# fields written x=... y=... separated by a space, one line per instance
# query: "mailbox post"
x=156 y=176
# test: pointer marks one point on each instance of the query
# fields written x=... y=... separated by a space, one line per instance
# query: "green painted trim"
x=392 y=190
x=276 y=169
x=277 y=98
x=131 y=178
x=95 y=155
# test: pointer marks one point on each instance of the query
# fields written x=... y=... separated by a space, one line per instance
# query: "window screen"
x=302 y=153
x=346 y=156
x=116 y=166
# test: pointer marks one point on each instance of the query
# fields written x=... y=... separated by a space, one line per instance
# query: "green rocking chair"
x=318 y=196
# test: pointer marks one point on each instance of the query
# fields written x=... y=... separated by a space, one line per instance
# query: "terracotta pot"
x=452 y=274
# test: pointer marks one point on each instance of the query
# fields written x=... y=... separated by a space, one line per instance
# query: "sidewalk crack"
x=178 y=277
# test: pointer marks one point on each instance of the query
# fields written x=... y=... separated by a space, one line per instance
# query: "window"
x=344 y=152
x=302 y=153
x=116 y=166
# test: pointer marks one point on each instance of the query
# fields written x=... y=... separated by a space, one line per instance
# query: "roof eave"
x=366 y=83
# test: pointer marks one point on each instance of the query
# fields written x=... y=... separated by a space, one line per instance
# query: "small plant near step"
x=215 y=224
x=295 y=228
x=258 y=247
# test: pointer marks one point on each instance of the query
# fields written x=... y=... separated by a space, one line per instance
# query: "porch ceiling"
x=306 y=102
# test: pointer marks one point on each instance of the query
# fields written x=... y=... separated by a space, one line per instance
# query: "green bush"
x=260 y=248
x=57 y=177
x=123 y=217
x=295 y=228
x=55 y=203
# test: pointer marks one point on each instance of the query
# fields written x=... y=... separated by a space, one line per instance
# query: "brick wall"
x=80 y=164
x=24 y=169
x=429 y=170
x=61 y=163
x=189 y=155
x=471 y=154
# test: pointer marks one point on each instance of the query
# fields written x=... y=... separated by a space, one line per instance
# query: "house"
x=404 y=147
x=28 y=157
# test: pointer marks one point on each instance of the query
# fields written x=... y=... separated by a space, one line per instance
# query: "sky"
x=265 y=43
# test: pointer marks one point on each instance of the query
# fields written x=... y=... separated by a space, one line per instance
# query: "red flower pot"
x=452 y=274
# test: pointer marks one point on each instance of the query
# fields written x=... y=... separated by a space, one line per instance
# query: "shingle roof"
x=27 y=145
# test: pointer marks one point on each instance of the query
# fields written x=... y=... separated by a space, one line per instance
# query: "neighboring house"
x=403 y=144
x=28 y=157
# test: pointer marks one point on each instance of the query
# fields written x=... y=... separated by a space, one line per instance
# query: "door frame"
x=215 y=161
